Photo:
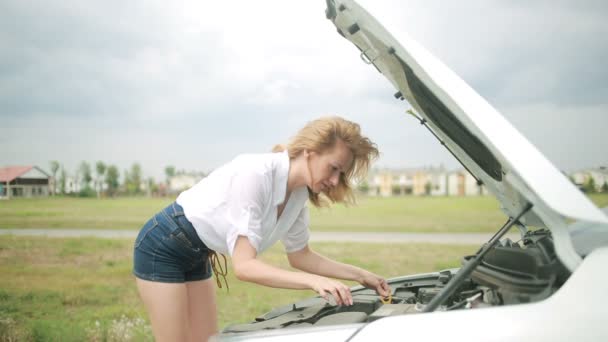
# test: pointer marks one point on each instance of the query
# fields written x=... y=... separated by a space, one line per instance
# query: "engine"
x=510 y=273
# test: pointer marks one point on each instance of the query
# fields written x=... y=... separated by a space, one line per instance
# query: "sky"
x=194 y=83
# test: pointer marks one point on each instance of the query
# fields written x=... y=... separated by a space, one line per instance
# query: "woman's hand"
x=325 y=286
x=375 y=282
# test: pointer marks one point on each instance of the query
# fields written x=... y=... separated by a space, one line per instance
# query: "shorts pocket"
x=181 y=246
x=180 y=237
x=145 y=230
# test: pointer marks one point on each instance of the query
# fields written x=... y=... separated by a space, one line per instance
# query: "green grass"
x=66 y=212
x=82 y=289
x=412 y=214
x=601 y=200
x=396 y=214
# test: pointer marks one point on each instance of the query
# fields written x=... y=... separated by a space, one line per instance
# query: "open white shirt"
x=241 y=198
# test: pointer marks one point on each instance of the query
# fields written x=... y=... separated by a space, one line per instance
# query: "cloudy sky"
x=193 y=83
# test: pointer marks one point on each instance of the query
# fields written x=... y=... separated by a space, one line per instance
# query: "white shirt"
x=241 y=199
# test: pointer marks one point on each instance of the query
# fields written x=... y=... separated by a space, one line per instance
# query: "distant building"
x=436 y=182
x=380 y=184
x=183 y=181
x=23 y=181
x=599 y=175
x=462 y=183
x=428 y=181
x=72 y=185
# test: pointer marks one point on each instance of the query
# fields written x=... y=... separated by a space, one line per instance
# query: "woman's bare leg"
x=167 y=306
x=202 y=309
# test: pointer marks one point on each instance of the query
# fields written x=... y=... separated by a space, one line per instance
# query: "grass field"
x=83 y=290
x=398 y=214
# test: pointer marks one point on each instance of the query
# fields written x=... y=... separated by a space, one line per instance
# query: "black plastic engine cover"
x=522 y=274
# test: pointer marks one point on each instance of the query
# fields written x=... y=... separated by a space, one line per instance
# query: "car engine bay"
x=511 y=272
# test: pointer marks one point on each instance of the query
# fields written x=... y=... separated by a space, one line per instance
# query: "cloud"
x=567 y=135
x=513 y=51
x=194 y=83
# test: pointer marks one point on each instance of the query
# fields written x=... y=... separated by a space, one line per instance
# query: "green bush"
x=87 y=192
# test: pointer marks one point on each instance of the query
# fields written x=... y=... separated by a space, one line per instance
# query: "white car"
x=550 y=286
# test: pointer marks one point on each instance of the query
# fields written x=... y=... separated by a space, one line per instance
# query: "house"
x=183 y=181
x=380 y=184
x=427 y=181
x=23 y=181
x=436 y=183
x=461 y=183
x=416 y=181
x=72 y=185
x=583 y=177
x=600 y=177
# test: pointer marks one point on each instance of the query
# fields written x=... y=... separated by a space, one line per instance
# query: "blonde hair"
x=321 y=135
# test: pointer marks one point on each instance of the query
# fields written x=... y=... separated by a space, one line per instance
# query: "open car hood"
x=486 y=144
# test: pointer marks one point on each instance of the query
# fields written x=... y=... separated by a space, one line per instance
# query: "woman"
x=241 y=209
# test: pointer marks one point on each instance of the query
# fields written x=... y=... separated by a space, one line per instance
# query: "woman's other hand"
x=325 y=286
x=375 y=282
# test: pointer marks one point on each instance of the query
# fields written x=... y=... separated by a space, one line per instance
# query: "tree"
x=363 y=187
x=133 y=179
x=100 y=167
x=54 y=169
x=136 y=178
x=127 y=182
x=62 y=179
x=396 y=190
x=427 y=188
x=590 y=185
x=605 y=187
x=112 y=176
x=85 y=172
x=151 y=187
x=169 y=172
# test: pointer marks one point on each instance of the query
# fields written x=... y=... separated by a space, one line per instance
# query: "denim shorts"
x=168 y=249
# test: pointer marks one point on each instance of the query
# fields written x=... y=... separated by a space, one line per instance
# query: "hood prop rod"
x=466 y=270
x=423 y=123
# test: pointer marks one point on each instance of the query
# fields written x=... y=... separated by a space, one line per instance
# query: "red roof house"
x=23 y=181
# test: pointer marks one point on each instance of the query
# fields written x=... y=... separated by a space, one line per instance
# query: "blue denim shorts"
x=168 y=249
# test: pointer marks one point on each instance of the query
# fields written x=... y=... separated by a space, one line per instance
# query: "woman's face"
x=325 y=168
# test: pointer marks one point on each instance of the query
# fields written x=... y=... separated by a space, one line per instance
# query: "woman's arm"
x=309 y=261
x=248 y=268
